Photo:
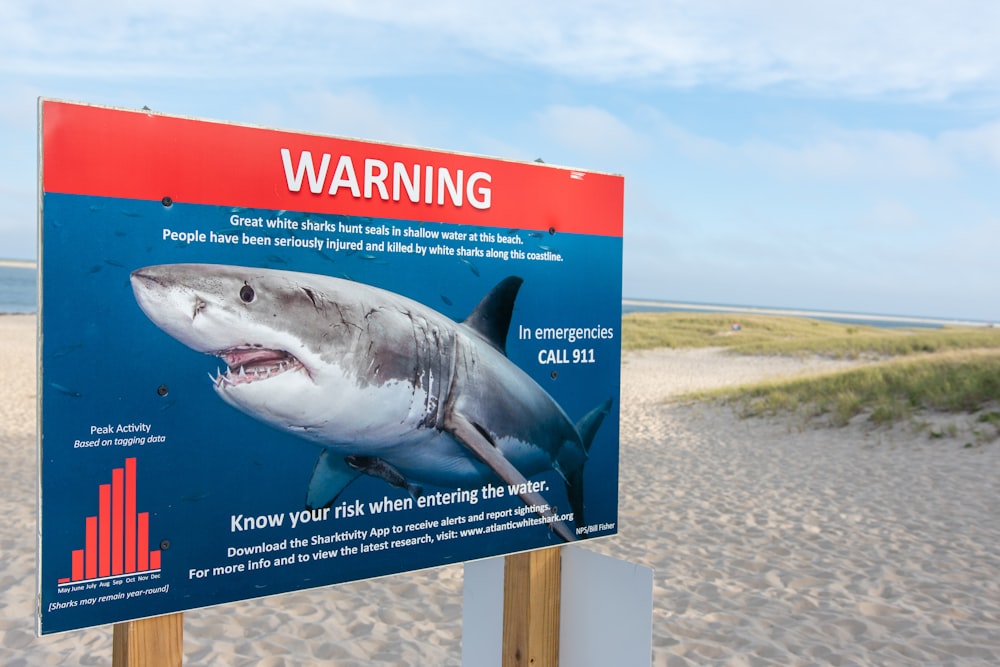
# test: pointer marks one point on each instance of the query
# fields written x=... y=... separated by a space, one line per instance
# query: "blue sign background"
x=103 y=362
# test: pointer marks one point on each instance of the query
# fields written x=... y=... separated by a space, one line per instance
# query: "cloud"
x=350 y=112
x=918 y=49
x=195 y=41
x=822 y=153
x=977 y=143
x=827 y=152
x=590 y=131
x=922 y=49
x=891 y=215
x=855 y=155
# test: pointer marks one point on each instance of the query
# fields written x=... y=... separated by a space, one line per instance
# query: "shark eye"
x=246 y=293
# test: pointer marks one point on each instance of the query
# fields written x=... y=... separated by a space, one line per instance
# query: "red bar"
x=135 y=155
x=130 y=550
x=143 y=538
x=104 y=530
x=154 y=560
x=117 y=521
x=91 y=548
x=77 y=564
x=65 y=580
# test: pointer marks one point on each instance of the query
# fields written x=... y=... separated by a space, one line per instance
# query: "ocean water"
x=18 y=290
x=863 y=319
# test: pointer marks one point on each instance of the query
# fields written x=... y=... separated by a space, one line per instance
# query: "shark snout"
x=147 y=278
x=145 y=286
x=151 y=287
x=152 y=292
x=174 y=306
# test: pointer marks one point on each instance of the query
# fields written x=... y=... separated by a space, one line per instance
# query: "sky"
x=835 y=156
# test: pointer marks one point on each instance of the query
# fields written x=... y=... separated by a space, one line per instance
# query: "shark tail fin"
x=590 y=422
x=587 y=428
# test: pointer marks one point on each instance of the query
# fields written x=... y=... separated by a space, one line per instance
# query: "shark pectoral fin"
x=329 y=479
x=466 y=433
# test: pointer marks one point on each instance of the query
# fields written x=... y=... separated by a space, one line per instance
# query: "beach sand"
x=772 y=543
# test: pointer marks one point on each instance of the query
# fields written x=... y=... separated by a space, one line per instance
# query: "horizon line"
x=20 y=263
x=802 y=312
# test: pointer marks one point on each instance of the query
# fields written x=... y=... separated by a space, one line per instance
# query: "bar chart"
x=116 y=540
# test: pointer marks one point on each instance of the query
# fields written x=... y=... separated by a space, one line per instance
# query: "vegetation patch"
x=962 y=381
x=947 y=370
x=766 y=334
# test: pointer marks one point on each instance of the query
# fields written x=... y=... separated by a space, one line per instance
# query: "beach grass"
x=767 y=334
x=684 y=330
x=887 y=392
x=910 y=371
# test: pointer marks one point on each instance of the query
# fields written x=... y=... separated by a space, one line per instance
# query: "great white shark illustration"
x=386 y=385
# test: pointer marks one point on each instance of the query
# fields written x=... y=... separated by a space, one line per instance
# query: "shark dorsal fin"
x=491 y=318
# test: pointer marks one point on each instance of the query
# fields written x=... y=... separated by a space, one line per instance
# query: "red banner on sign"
x=140 y=155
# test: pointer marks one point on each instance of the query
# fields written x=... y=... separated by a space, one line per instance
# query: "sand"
x=773 y=543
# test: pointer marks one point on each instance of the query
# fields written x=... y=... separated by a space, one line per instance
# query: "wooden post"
x=151 y=642
x=531 y=593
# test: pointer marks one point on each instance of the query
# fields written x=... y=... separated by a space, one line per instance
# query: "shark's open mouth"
x=253 y=364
